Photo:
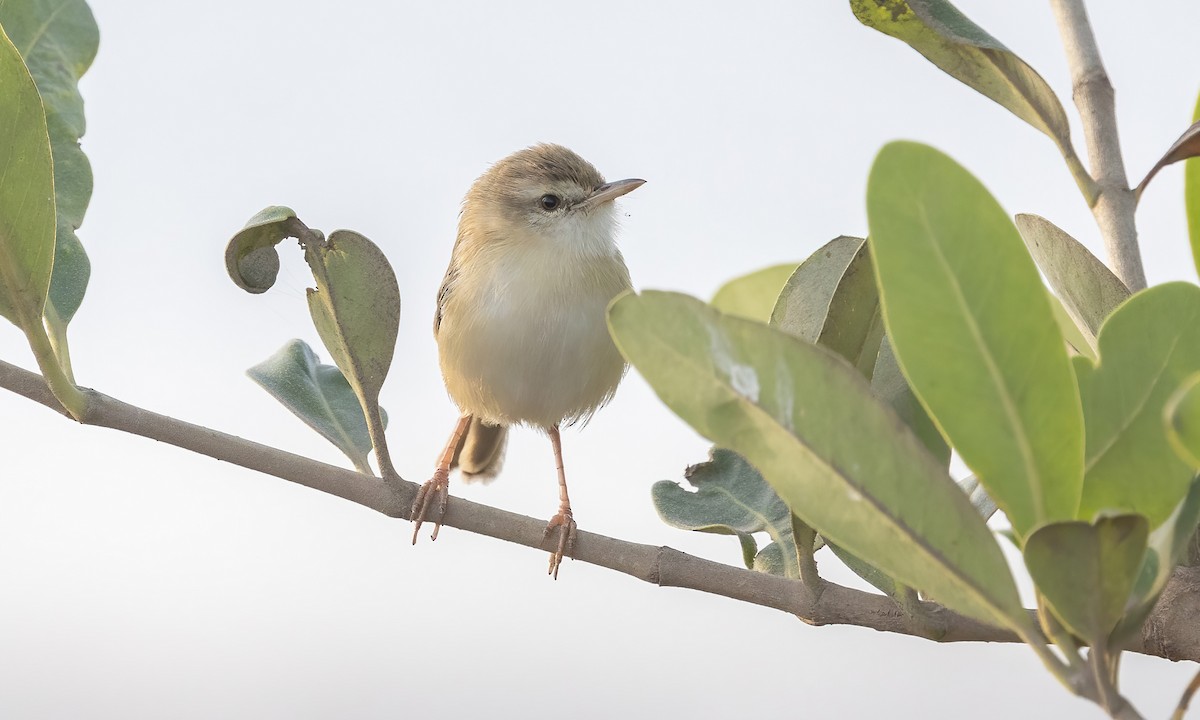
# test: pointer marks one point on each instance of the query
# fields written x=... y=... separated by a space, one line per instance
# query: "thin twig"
x=663 y=566
x=1114 y=204
x=1186 y=700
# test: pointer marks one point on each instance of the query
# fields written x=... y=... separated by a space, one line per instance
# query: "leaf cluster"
x=835 y=390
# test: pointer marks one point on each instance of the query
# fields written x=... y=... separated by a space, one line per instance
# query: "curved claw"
x=564 y=523
x=436 y=487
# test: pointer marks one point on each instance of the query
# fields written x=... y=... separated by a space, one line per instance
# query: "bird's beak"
x=610 y=191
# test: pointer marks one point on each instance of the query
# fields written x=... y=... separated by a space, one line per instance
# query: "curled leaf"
x=250 y=256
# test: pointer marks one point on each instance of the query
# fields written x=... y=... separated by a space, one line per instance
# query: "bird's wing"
x=442 y=296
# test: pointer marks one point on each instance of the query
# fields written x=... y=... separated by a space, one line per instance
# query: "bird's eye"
x=550 y=202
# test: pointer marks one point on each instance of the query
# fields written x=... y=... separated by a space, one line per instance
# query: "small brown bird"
x=520 y=323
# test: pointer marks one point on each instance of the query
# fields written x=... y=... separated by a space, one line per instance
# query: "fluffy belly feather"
x=535 y=353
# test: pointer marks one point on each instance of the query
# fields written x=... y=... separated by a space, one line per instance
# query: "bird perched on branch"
x=520 y=323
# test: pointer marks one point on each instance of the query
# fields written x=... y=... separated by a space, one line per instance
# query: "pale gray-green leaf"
x=319 y=395
x=730 y=497
x=803 y=303
x=1088 y=289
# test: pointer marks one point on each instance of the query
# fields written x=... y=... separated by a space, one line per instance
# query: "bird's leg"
x=563 y=521
x=437 y=488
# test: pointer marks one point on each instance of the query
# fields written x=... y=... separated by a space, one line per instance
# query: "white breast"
x=523 y=335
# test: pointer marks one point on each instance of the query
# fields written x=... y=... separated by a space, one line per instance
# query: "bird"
x=521 y=323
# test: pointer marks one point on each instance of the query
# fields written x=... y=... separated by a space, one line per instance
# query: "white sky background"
x=140 y=581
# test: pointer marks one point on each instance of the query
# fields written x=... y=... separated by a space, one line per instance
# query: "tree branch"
x=1169 y=633
x=1093 y=94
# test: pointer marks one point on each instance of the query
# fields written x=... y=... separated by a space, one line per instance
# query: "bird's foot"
x=431 y=503
x=564 y=524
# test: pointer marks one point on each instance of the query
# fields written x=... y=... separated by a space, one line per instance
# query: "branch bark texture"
x=1170 y=633
x=1094 y=97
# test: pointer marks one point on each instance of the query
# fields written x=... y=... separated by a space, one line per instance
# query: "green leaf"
x=771 y=560
x=1088 y=289
x=1081 y=342
x=877 y=578
x=841 y=460
x=1167 y=547
x=58 y=40
x=803 y=302
x=250 y=256
x=832 y=294
x=26 y=194
x=966 y=52
x=1087 y=570
x=1183 y=420
x=853 y=326
x=356 y=310
x=320 y=396
x=1191 y=197
x=731 y=498
x=971 y=325
x=752 y=296
x=803 y=310
x=890 y=385
x=1148 y=348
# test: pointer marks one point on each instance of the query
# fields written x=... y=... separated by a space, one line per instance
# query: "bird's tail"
x=480 y=454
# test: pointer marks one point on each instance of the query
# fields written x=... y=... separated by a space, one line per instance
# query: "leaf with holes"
x=841 y=459
x=731 y=498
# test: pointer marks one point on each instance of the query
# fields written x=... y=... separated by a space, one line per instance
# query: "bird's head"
x=545 y=194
